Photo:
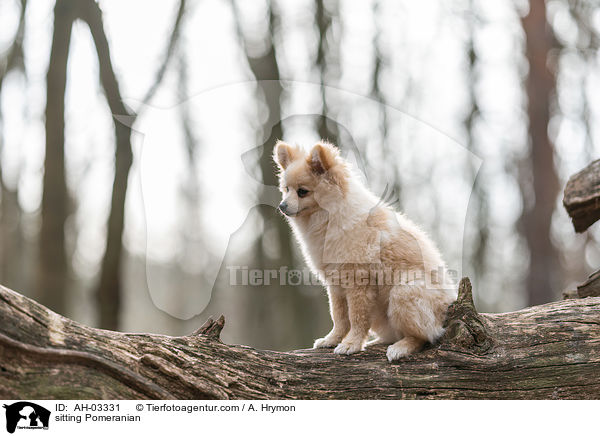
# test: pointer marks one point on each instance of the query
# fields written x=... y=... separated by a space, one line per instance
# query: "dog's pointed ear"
x=322 y=157
x=284 y=154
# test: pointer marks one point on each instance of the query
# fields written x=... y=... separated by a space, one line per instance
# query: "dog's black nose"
x=283 y=207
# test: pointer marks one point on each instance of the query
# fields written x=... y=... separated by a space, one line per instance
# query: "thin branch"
x=175 y=34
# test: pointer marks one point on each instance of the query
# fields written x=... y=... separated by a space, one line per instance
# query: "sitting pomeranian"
x=383 y=274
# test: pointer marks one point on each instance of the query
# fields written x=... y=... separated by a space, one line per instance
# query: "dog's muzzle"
x=283 y=207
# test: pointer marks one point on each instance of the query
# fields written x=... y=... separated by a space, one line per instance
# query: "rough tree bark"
x=548 y=351
x=582 y=197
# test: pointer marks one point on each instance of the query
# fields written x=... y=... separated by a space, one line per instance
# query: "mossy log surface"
x=548 y=351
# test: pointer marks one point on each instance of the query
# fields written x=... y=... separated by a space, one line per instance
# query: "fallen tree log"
x=548 y=351
x=582 y=197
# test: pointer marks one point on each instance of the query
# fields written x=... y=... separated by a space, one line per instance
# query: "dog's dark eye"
x=302 y=192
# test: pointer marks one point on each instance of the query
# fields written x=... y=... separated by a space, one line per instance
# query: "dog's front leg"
x=359 y=311
x=338 y=307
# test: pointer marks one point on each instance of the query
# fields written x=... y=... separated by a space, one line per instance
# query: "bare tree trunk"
x=266 y=70
x=53 y=269
x=327 y=130
x=478 y=203
x=11 y=235
x=108 y=291
x=540 y=178
x=390 y=170
x=545 y=352
x=256 y=311
x=52 y=279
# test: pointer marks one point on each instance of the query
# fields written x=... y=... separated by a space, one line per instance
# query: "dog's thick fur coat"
x=351 y=239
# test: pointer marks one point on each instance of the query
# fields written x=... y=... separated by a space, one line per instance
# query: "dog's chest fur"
x=330 y=242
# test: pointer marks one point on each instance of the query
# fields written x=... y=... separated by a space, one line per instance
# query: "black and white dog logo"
x=26 y=415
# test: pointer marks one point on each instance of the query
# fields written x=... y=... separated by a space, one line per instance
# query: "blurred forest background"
x=121 y=228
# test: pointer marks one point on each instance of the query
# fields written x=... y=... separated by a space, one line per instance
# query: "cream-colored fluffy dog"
x=381 y=271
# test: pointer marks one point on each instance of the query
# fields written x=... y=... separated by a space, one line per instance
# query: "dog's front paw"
x=396 y=352
x=326 y=342
x=348 y=348
x=403 y=348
